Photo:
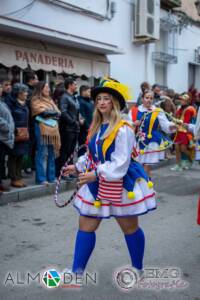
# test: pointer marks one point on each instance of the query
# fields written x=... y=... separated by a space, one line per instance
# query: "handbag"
x=22 y=134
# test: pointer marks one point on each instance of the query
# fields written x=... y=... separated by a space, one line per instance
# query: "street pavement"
x=35 y=236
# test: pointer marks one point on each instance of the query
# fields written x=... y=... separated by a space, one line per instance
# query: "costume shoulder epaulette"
x=109 y=140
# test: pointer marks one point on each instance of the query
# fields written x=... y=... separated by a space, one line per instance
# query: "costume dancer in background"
x=184 y=139
x=149 y=122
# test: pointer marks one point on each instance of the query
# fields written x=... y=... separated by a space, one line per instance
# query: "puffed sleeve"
x=121 y=156
x=191 y=128
x=165 y=123
x=80 y=164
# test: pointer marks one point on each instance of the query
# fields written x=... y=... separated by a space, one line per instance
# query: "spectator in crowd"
x=31 y=80
x=29 y=161
x=197 y=101
x=168 y=105
x=192 y=92
x=6 y=137
x=69 y=122
x=170 y=93
x=20 y=113
x=157 y=91
x=47 y=134
x=86 y=113
x=144 y=86
x=7 y=89
x=176 y=100
x=58 y=92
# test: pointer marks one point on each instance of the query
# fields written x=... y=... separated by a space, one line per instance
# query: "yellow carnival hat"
x=111 y=86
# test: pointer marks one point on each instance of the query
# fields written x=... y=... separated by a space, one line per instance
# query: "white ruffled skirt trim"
x=143 y=202
x=152 y=154
x=197 y=153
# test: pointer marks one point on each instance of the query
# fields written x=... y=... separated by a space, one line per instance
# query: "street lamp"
x=197 y=4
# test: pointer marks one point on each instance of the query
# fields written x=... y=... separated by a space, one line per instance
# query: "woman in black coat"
x=20 y=113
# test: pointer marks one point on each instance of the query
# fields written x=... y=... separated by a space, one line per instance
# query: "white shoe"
x=177 y=168
x=72 y=280
x=184 y=165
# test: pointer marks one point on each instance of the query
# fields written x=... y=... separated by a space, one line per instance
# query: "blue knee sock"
x=136 y=244
x=85 y=243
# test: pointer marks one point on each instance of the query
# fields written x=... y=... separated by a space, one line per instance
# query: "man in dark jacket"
x=31 y=82
x=6 y=136
x=86 y=112
x=69 y=122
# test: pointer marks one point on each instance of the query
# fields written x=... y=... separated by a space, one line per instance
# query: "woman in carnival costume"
x=149 y=121
x=184 y=143
x=117 y=186
x=196 y=132
x=195 y=129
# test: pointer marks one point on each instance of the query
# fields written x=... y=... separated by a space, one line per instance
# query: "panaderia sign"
x=53 y=60
x=11 y=55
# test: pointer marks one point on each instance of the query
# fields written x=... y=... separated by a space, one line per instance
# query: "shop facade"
x=50 y=62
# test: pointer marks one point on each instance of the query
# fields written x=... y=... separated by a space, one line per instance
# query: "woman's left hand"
x=173 y=128
x=86 y=178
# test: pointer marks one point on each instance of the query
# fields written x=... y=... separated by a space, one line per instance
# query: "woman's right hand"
x=70 y=169
x=137 y=123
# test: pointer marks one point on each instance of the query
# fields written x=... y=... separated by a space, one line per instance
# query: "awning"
x=194 y=63
x=11 y=55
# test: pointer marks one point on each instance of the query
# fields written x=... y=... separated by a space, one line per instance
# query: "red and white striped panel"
x=110 y=190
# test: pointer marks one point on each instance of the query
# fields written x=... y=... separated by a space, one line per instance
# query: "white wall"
x=178 y=74
x=134 y=60
x=132 y=67
x=136 y=65
x=45 y=14
x=129 y=67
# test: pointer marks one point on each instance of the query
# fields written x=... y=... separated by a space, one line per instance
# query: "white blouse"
x=162 y=119
x=120 y=157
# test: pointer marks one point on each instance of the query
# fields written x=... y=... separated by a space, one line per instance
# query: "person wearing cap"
x=20 y=113
x=114 y=184
x=184 y=139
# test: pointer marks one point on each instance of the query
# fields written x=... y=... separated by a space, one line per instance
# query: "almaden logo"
x=51 y=278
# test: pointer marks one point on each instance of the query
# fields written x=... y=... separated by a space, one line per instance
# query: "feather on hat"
x=117 y=89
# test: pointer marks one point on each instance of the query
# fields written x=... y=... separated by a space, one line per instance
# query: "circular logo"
x=51 y=278
x=126 y=278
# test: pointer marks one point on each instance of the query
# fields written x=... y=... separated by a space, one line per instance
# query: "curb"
x=34 y=191
x=164 y=163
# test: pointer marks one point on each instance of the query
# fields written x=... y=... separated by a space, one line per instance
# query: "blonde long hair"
x=115 y=117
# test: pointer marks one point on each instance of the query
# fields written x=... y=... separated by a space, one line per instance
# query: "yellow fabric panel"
x=109 y=140
x=152 y=120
